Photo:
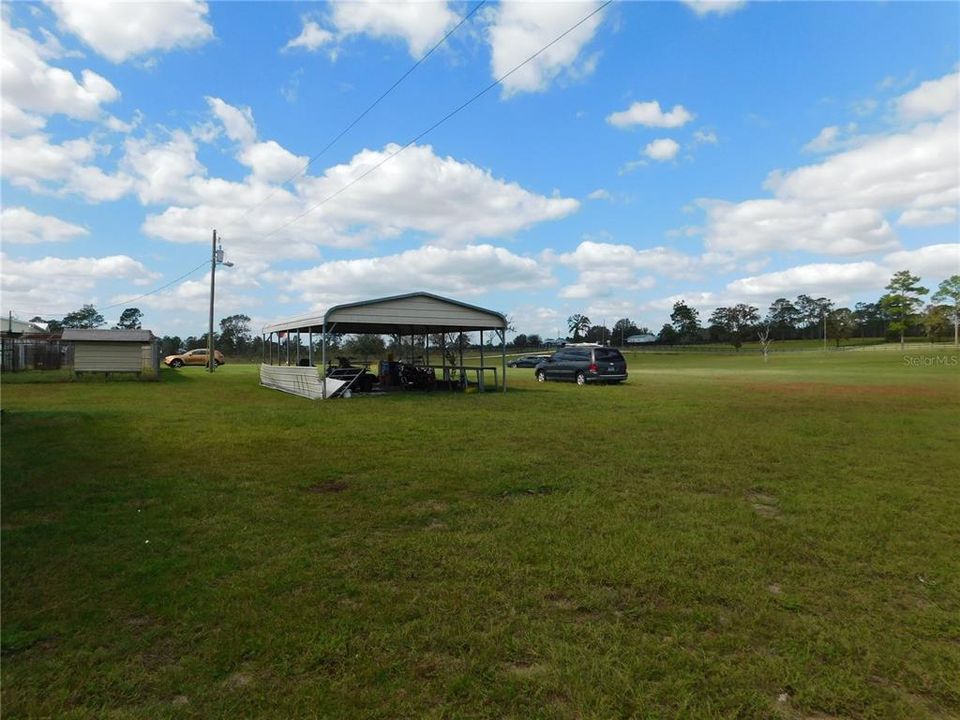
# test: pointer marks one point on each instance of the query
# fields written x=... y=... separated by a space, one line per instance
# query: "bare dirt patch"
x=560 y=601
x=526 y=669
x=431 y=665
x=429 y=506
x=238 y=680
x=525 y=491
x=764 y=504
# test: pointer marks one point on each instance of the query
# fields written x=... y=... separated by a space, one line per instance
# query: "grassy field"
x=717 y=538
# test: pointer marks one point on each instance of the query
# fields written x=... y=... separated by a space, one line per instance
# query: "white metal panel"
x=423 y=311
x=401 y=312
x=296 y=380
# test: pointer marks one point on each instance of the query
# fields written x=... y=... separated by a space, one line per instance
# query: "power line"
x=126 y=302
x=437 y=124
x=362 y=115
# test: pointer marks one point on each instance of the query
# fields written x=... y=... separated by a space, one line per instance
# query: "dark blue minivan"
x=584 y=364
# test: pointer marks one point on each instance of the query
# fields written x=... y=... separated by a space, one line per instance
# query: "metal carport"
x=410 y=314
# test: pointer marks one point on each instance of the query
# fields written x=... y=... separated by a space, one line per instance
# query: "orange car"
x=193 y=357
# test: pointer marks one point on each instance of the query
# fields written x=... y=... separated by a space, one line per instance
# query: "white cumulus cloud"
x=238 y=122
x=35 y=162
x=604 y=268
x=714 y=7
x=842 y=204
x=450 y=201
x=32 y=85
x=844 y=282
x=64 y=283
x=705 y=137
x=23 y=226
x=271 y=162
x=933 y=98
x=651 y=115
x=312 y=37
x=520 y=29
x=121 y=30
x=471 y=270
x=419 y=24
x=662 y=149
x=831 y=139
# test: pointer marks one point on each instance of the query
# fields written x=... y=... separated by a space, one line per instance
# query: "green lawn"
x=717 y=538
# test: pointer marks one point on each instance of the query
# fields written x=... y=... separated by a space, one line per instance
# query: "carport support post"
x=481 y=376
x=463 y=374
x=503 y=356
x=298 y=347
x=310 y=348
x=443 y=352
x=323 y=362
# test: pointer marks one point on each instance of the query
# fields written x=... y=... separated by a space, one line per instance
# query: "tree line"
x=897 y=314
x=234 y=337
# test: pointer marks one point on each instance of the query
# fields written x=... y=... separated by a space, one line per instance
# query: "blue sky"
x=717 y=152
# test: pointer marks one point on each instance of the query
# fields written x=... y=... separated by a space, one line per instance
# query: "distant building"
x=28 y=346
x=11 y=326
x=641 y=339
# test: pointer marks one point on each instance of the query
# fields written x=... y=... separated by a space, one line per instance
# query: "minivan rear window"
x=608 y=355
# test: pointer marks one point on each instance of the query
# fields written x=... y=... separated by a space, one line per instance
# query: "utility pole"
x=823 y=314
x=216 y=258
x=213 y=283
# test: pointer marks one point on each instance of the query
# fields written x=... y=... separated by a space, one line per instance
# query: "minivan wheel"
x=540 y=376
x=581 y=379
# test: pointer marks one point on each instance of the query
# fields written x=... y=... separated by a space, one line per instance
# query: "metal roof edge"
x=321 y=319
x=420 y=293
x=107 y=335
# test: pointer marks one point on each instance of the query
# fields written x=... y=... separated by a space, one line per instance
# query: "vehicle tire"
x=581 y=379
x=219 y=363
x=541 y=377
x=178 y=363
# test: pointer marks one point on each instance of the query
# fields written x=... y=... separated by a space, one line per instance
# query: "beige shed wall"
x=108 y=357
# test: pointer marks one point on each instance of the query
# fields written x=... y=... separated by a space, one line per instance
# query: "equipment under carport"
x=414 y=314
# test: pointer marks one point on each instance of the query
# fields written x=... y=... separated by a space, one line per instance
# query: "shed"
x=110 y=351
x=409 y=314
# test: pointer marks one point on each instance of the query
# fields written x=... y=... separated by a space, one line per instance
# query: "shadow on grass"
x=52 y=377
